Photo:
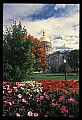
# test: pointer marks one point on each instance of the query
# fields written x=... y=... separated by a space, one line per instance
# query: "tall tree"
x=18 y=60
x=73 y=59
x=39 y=53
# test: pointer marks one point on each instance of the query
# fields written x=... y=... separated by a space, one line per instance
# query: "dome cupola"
x=44 y=38
x=46 y=43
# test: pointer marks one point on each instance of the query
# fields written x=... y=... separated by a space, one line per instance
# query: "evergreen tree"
x=18 y=60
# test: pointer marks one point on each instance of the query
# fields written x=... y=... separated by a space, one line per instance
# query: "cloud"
x=19 y=11
x=64 y=30
x=63 y=48
x=59 y=6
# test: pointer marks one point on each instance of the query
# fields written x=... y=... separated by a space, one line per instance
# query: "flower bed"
x=43 y=98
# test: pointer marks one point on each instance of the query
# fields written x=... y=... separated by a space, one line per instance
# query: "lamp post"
x=65 y=67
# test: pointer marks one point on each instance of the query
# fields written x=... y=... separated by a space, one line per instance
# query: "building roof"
x=44 y=38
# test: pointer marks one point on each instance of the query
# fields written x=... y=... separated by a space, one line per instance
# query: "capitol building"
x=53 y=58
x=46 y=43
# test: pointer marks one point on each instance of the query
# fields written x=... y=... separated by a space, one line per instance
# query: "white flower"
x=23 y=100
x=30 y=113
x=19 y=96
x=10 y=103
x=17 y=114
x=37 y=90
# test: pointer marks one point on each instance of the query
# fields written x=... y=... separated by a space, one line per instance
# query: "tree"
x=64 y=68
x=73 y=59
x=39 y=53
x=53 y=69
x=18 y=60
x=61 y=68
x=68 y=68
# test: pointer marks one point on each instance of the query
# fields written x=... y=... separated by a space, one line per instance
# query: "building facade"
x=57 y=59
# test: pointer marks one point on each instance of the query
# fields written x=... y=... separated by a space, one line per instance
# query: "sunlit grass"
x=40 y=76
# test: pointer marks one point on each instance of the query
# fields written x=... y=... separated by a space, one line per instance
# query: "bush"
x=68 y=68
x=53 y=69
x=61 y=68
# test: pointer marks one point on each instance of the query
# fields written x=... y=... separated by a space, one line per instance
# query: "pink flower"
x=37 y=95
x=19 y=96
x=9 y=91
x=6 y=102
x=4 y=83
x=41 y=97
x=35 y=114
x=17 y=114
x=47 y=97
x=30 y=113
x=23 y=100
x=45 y=115
x=63 y=109
x=35 y=91
x=10 y=103
x=71 y=116
x=4 y=88
x=47 y=112
x=13 y=102
x=71 y=99
x=14 y=88
x=61 y=97
x=8 y=87
x=54 y=105
x=52 y=100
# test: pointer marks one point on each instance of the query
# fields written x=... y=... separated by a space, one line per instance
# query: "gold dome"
x=44 y=38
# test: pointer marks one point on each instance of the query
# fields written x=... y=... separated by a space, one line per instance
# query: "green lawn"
x=40 y=76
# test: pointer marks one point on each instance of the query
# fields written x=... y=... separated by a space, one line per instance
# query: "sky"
x=59 y=21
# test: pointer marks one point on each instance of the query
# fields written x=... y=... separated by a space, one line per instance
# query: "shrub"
x=53 y=69
x=61 y=68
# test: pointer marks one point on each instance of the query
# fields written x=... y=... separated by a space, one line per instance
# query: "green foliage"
x=18 y=60
x=64 y=68
x=61 y=68
x=73 y=59
x=68 y=68
x=53 y=69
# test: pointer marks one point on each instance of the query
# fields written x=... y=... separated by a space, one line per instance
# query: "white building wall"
x=56 y=59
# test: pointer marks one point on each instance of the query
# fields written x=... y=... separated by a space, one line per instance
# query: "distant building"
x=53 y=58
x=46 y=43
x=56 y=59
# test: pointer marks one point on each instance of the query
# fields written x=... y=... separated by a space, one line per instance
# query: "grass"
x=40 y=76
